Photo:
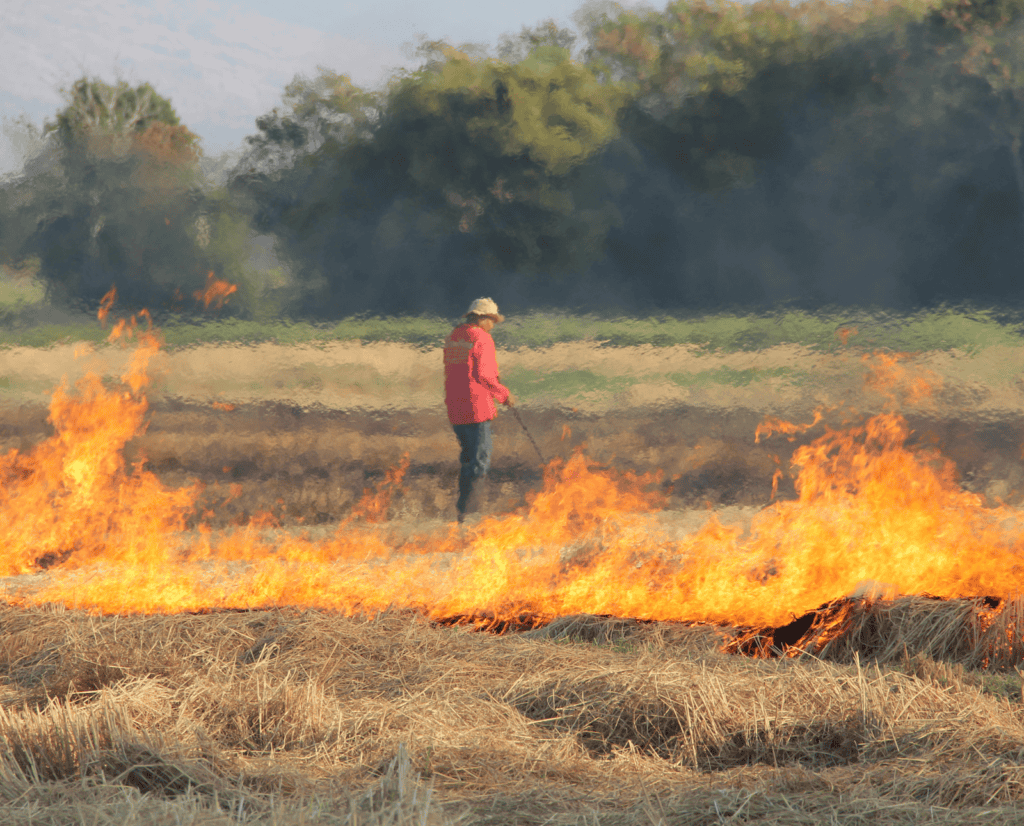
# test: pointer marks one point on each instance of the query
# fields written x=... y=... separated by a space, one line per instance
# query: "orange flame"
x=373 y=507
x=105 y=304
x=72 y=500
x=216 y=290
x=113 y=538
x=772 y=424
x=844 y=333
x=888 y=374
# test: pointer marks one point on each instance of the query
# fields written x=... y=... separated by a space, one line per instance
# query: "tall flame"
x=72 y=500
x=114 y=539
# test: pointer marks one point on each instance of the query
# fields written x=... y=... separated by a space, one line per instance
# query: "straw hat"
x=484 y=307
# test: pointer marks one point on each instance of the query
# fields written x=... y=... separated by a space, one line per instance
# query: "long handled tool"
x=515 y=412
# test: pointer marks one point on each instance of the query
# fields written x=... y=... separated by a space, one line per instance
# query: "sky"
x=223 y=64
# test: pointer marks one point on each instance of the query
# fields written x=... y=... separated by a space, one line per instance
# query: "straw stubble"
x=300 y=717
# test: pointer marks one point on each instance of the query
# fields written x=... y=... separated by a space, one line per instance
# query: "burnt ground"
x=309 y=466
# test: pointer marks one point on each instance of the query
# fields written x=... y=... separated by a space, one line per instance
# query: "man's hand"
x=510 y=401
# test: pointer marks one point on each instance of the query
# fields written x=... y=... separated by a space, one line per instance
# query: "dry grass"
x=284 y=717
x=979 y=633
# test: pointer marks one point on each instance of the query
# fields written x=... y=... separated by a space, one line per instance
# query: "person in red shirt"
x=471 y=386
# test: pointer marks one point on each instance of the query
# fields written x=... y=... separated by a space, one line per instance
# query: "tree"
x=469 y=162
x=123 y=206
x=821 y=152
x=705 y=154
x=110 y=115
x=516 y=48
x=326 y=109
x=715 y=80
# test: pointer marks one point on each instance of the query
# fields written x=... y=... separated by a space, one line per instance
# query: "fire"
x=73 y=500
x=844 y=333
x=113 y=538
x=216 y=292
x=105 y=304
x=888 y=374
x=373 y=507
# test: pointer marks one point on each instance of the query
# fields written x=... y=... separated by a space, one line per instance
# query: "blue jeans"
x=475 y=456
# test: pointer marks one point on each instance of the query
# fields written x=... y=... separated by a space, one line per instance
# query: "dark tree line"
x=707 y=155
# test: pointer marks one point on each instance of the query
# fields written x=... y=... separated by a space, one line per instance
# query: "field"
x=298 y=712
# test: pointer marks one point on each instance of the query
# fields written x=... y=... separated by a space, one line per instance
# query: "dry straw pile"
x=980 y=633
x=288 y=717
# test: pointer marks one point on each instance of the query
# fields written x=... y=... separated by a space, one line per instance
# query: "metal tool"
x=515 y=412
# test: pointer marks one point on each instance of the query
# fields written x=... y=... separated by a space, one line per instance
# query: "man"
x=471 y=386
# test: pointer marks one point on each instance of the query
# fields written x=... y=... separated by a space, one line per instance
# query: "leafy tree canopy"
x=123 y=205
x=96 y=111
x=486 y=154
x=326 y=109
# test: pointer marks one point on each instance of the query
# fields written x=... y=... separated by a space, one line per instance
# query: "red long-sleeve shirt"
x=471 y=381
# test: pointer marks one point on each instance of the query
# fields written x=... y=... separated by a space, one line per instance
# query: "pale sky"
x=223 y=64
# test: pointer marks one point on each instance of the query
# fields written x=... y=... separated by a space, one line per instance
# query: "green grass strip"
x=927 y=330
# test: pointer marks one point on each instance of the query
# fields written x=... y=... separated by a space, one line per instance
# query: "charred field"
x=304 y=644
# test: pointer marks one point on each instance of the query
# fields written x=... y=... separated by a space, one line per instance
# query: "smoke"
x=902 y=194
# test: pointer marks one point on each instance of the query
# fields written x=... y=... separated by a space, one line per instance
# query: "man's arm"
x=487 y=371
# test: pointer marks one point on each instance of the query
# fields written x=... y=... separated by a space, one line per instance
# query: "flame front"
x=114 y=539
